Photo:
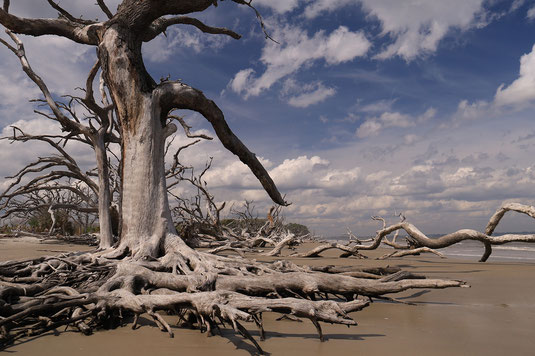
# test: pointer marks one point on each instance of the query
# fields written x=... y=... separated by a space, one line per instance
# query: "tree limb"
x=64 y=13
x=104 y=8
x=498 y=215
x=85 y=34
x=177 y=95
x=160 y=25
x=65 y=122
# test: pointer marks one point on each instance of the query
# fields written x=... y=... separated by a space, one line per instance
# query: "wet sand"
x=496 y=316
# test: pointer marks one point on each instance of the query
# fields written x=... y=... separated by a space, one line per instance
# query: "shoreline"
x=494 y=317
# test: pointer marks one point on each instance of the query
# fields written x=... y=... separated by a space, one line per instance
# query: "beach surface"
x=496 y=316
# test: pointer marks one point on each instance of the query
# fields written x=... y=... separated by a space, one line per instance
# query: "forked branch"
x=177 y=95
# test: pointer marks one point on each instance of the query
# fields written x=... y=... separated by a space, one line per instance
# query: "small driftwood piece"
x=413 y=252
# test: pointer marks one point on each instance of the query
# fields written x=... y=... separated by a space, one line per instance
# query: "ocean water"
x=514 y=251
x=473 y=250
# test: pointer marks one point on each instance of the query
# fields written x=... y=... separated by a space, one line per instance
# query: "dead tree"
x=47 y=181
x=198 y=215
x=97 y=137
x=157 y=270
x=417 y=242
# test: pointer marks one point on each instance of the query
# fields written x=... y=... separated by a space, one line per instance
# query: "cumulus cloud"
x=415 y=27
x=369 y=128
x=296 y=50
x=241 y=80
x=472 y=111
x=515 y=96
x=372 y=126
x=293 y=173
x=522 y=90
x=61 y=63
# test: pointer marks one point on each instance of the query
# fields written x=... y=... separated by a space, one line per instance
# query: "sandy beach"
x=496 y=316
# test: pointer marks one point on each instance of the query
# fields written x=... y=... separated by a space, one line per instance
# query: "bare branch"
x=498 y=215
x=64 y=13
x=160 y=25
x=104 y=8
x=413 y=252
x=85 y=34
x=187 y=128
x=20 y=53
x=258 y=16
x=176 y=95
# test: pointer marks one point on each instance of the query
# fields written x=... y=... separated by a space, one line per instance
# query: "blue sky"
x=363 y=107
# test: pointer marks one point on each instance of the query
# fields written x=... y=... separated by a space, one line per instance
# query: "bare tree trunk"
x=146 y=214
x=146 y=218
x=104 y=196
x=53 y=217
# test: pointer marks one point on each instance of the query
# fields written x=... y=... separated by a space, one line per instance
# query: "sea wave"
x=514 y=248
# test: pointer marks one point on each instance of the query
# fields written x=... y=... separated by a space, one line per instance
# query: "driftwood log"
x=417 y=242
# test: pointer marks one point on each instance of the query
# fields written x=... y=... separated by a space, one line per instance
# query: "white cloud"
x=427 y=115
x=17 y=154
x=297 y=49
x=531 y=13
x=78 y=8
x=16 y=90
x=61 y=63
x=472 y=111
x=163 y=47
x=377 y=106
x=302 y=96
x=293 y=173
x=318 y=6
x=515 y=96
x=416 y=27
x=279 y=6
x=241 y=80
x=372 y=126
x=369 y=128
x=522 y=90
x=410 y=139
x=314 y=97
x=516 y=5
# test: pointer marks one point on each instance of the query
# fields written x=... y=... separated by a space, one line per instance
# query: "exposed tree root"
x=88 y=291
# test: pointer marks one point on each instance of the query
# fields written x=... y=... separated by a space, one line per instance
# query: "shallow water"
x=473 y=250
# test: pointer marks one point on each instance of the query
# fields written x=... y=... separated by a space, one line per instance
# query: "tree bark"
x=146 y=218
x=104 y=195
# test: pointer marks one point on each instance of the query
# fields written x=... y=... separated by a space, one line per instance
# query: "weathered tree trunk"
x=104 y=195
x=146 y=214
x=146 y=218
